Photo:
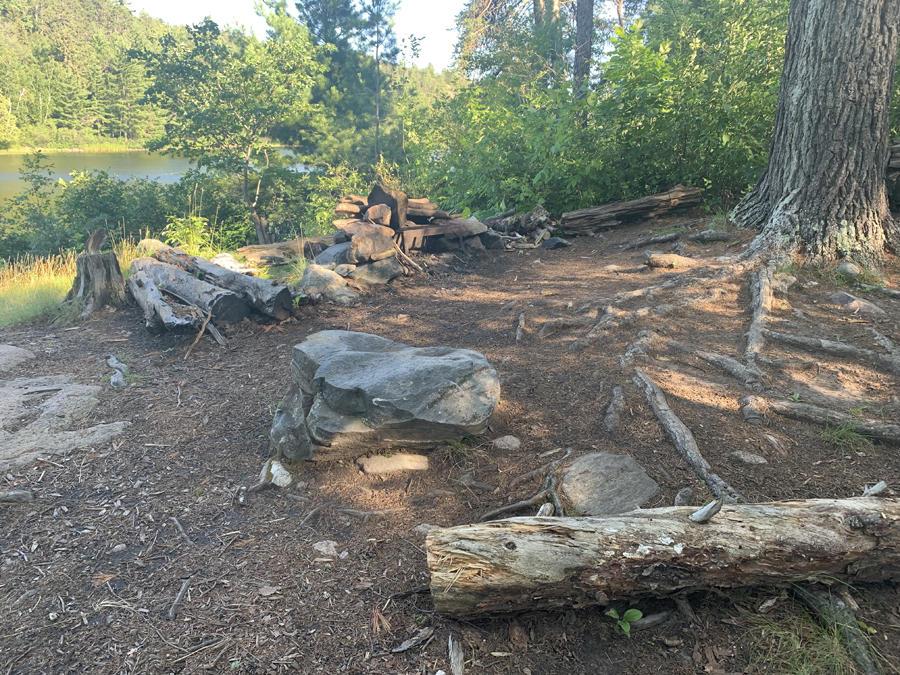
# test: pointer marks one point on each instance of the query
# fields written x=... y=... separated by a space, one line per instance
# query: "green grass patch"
x=797 y=645
x=845 y=437
x=31 y=287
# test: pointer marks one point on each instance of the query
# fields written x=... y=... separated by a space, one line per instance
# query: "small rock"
x=684 y=497
x=849 y=270
x=782 y=283
x=507 y=443
x=491 y=240
x=379 y=272
x=424 y=528
x=650 y=620
x=402 y=461
x=853 y=304
x=326 y=547
x=344 y=270
x=117 y=381
x=275 y=472
x=318 y=280
x=555 y=242
x=749 y=457
x=10 y=357
x=118 y=548
x=611 y=268
x=602 y=484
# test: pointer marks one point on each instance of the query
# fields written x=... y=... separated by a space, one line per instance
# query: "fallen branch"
x=181 y=529
x=199 y=335
x=682 y=438
x=532 y=564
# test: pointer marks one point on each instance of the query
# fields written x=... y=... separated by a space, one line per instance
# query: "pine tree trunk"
x=822 y=196
x=584 y=39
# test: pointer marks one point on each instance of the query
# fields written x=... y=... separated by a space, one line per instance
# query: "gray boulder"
x=854 y=304
x=602 y=484
x=11 y=357
x=379 y=272
x=321 y=281
x=336 y=254
x=355 y=392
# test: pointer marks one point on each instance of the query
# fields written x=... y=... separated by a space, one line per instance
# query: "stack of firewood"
x=417 y=223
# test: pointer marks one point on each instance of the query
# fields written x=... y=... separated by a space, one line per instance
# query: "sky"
x=433 y=20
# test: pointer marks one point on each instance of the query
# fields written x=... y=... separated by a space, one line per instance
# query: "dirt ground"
x=89 y=571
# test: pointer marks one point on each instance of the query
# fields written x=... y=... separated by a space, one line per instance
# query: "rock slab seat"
x=354 y=392
x=603 y=484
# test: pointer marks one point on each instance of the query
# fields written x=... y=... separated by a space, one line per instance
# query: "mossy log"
x=527 y=564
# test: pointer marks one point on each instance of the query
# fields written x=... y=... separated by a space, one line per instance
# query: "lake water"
x=140 y=164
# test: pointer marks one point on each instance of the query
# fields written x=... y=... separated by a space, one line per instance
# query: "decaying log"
x=682 y=438
x=841 y=349
x=160 y=315
x=709 y=236
x=587 y=221
x=654 y=241
x=225 y=305
x=98 y=282
x=268 y=298
x=804 y=412
x=526 y=564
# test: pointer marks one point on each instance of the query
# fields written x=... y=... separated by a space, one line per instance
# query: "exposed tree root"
x=834 y=613
x=616 y=408
x=548 y=489
x=544 y=470
x=750 y=375
x=804 y=412
x=520 y=328
x=761 y=303
x=841 y=349
x=554 y=325
x=683 y=439
x=639 y=349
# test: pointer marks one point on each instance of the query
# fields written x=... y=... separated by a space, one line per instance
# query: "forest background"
x=670 y=91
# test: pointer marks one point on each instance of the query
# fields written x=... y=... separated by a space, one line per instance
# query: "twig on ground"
x=365 y=515
x=199 y=335
x=178 y=598
x=181 y=529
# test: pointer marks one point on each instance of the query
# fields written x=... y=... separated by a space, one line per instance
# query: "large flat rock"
x=357 y=392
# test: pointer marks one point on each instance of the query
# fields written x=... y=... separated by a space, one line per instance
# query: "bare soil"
x=90 y=571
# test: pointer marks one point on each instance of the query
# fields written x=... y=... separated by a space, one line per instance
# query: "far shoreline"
x=26 y=149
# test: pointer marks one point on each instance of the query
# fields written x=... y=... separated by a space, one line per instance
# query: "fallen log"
x=588 y=221
x=268 y=298
x=159 y=315
x=527 y=564
x=302 y=246
x=225 y=305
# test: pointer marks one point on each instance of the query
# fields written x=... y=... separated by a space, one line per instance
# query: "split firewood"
x=525 y=564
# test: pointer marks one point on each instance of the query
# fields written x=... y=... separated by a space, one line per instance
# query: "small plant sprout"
x=623 y=623
x=794 y=397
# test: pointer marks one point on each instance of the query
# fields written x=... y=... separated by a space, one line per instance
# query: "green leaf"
x=632 y=615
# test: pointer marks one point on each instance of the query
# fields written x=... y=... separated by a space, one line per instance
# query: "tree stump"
x=98 y=282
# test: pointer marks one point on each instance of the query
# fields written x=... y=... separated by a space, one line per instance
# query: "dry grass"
x=31 y=287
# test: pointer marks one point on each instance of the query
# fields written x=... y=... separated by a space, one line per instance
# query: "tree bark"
x=98 y=282
x=822 y=196
x=527 y=564
x=265 y=296
x=584 y=41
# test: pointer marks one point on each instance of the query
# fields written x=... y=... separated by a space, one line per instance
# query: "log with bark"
x=526 y=564
x=98 y=282
x=588 y=221
x=225 y=305
x=268 y=298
